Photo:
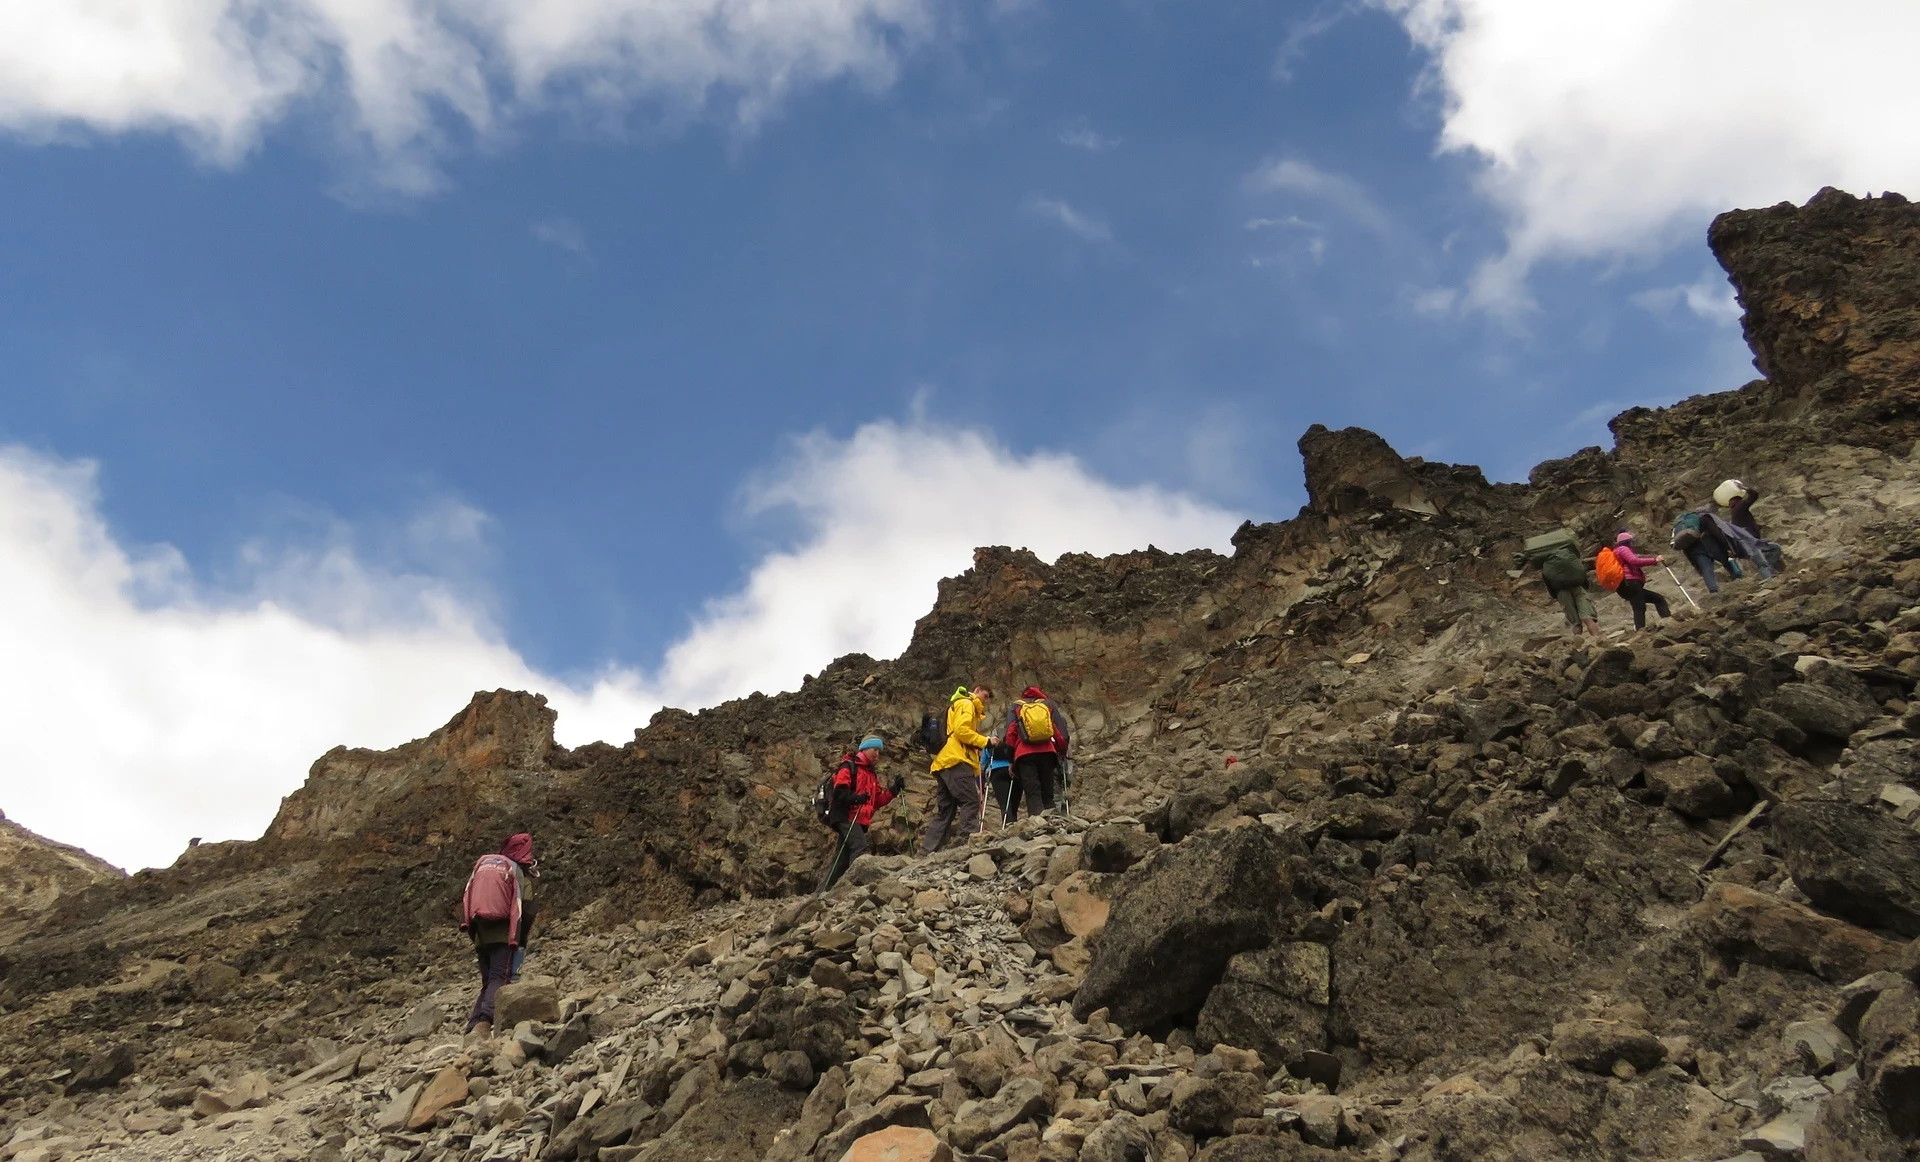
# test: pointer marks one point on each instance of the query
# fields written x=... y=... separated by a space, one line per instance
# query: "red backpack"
x=493 y=892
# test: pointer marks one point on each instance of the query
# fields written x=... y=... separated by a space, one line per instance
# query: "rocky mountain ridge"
x=1470 y=889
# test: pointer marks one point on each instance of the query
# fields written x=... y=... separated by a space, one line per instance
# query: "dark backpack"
x=933 y=732
x=825 y=802
x=1564 y=571
x=1686 y=531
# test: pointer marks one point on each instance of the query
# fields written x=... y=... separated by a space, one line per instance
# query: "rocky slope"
x=1469 y=889
x=37 y=872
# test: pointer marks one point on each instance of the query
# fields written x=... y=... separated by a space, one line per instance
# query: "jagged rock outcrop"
x=1351 y=468
x=1827 y=295
x=1513 y=900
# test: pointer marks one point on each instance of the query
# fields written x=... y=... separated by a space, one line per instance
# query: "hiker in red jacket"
x=1634 y=586
x=857 y=794
x=1038 y=732
x=491 y=911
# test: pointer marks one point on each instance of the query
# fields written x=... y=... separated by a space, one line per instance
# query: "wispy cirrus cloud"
x=1339 y=193
x=1083 y=136
x=563 y=234
x=1080 y=225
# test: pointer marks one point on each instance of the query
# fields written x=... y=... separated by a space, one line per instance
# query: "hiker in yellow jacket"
x=956 y=770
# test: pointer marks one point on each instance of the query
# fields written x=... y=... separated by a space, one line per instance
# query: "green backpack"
x=1564 y=571
x=1538 y=549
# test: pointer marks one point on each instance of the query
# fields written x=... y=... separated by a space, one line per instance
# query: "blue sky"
x=558 y=364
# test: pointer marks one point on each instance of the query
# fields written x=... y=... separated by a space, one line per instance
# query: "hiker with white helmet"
x=1737 y=497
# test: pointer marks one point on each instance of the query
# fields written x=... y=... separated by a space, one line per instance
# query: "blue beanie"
x=872 y=742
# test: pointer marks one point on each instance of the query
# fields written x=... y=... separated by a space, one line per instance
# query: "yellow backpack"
x=1036 y=722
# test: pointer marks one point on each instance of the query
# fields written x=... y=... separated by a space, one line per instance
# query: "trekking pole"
x=1066 y=787
x=1682 y=588
x=838 y=852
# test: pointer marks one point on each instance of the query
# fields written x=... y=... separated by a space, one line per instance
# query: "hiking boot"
x=481 y=1032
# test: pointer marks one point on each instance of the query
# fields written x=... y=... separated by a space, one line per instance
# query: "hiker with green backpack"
x=1698 y=535
x=1565 y=574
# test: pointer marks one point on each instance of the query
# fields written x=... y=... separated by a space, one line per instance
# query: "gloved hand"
x=858 y=799
x=898 y=785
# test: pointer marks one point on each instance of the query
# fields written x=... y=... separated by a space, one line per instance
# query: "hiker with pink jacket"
x=1634 y=586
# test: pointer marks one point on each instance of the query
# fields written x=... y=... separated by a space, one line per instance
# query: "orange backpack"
x=1607 y=570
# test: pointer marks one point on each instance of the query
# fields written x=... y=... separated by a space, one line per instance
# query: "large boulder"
x=1757 y=926
x=791 y=1019
x=1207 y=1107
x=529 y=1000
x=1115 y=847
x=1273 y=1001
x=1177 y=920
x=1852 y=861
x=1819 y=710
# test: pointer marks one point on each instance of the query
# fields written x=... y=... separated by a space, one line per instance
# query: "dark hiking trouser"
x=496 y=962
x=850 y=844
x=1638 y=595
x=1037 y=773
x=1006 y=793
x=1704 y=559
x=956 y=807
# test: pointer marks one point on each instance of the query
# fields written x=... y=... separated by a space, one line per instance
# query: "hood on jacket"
x=1033 y=694
x=958 y=694
x=518 y=848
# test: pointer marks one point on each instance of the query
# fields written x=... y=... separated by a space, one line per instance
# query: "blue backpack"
x=1686 y=531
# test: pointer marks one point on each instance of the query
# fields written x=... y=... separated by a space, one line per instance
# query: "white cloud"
x=1080 y=135
x=1711 y=298
x=1617 y=129
x=564 y=234
x=1336 y=191
x=1433 y=302
x=1304 y=31
x=401 y=73
x=1081 y=225
x=161 y=710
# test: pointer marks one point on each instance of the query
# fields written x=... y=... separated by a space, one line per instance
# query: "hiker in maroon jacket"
x=491 y=911
x=1036 y=761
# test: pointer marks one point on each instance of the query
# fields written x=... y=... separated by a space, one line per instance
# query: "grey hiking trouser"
x=956 y=807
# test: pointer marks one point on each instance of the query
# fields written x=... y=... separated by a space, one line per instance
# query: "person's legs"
x=1027 y=770
x=964 y=789
x=496 y=961
x=519 y=958
x=943 y=809
x=1634 y=593
x=851 y=845
x=1047 y=767
x=1659 y=602
x=1589 y=616
x=1569 y=606
x=1703 y=564
x=1006 y=794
